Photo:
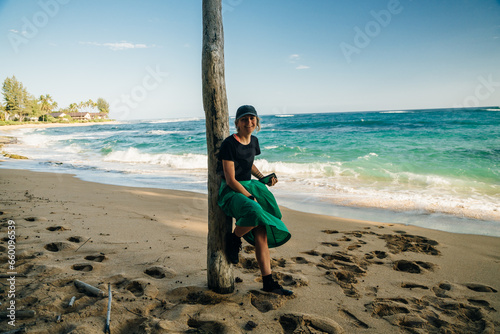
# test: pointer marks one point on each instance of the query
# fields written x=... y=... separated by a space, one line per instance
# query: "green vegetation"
x=20 y=107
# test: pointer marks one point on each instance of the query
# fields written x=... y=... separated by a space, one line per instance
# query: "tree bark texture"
x=219 y=270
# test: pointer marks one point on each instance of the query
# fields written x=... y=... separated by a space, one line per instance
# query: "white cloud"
x=124 y=45
x=293 y=58
x=24 y=33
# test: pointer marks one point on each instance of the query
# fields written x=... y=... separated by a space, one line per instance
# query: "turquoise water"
x=431 y=166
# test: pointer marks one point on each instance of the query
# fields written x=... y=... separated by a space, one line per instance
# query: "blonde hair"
x=257 y=126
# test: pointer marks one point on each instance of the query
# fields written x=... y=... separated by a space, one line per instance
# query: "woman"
x=249 y=201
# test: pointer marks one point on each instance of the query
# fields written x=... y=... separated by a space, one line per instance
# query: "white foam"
x=368 y=156
x=184 y=161
x=175 y=120
x=163 y=132
x=284 y=115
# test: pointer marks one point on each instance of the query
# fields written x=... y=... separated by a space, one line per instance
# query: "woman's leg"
x=264 y=260
x=240 y=231
x=262 y=250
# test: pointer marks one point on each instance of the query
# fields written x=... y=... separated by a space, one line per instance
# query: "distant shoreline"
x=50 y=125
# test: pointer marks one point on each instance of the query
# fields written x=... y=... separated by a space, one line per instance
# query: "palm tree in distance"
x=47 y=104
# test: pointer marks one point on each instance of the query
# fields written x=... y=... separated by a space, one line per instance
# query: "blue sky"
x=144 y=57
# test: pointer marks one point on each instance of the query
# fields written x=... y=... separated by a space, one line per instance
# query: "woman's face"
x=247 y=124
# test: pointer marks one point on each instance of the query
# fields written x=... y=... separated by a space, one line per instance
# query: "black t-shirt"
x=242 y=155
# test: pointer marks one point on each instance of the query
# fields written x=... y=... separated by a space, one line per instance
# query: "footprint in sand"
x=265 y=301
x=441 y=289
x=204 y=297
x=288 y=279
x=358 y=323
x=160 y=272
x=410 y=243
x=251 y=265
x=82 y=267
x=383 y=307
x=136 y=288
x=407 y=285
x=139 y=287
x=58 y=246
x=433 y=314
x=76 y=239
x=479 y=287
x=331 y=244
x=330 y=231
x=96 y=258
x=248 y=263
x=57 y=228
x=353 y=246
x=306 y=323
x=481 y=303
x=204 y=326
x=413 y=267
x=300 y=260
x=346 y=281
x=343 y=269
x=376 y=256
x=343 y=260
x=312 y=252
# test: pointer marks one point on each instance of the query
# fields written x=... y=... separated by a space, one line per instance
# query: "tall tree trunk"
x=219 y=270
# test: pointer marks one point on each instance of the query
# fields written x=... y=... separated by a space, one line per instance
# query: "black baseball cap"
x=245 y=110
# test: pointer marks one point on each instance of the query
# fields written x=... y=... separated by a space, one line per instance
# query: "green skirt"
x=264 y=212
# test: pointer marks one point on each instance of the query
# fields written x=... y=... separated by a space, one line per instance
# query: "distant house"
x=33 y=119
x=57 y=114
x=101 y=115
x=80 y=116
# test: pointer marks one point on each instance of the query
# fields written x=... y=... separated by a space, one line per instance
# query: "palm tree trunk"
x=219 y=270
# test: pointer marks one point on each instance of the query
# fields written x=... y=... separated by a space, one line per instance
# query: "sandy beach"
x=51 y=125
x=150 y=245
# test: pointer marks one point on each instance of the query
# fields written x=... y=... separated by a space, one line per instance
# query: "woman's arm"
x=229 y=174
x=256 y=172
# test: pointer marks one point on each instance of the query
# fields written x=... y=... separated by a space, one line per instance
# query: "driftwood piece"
x=88 y=289
x=108 y=316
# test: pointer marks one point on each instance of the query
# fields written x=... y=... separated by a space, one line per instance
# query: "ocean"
x=435 y=168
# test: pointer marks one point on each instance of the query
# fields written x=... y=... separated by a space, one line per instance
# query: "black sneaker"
x=274 y=287
x=233 y=247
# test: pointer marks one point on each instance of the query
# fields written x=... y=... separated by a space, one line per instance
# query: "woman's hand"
x=274 y=180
